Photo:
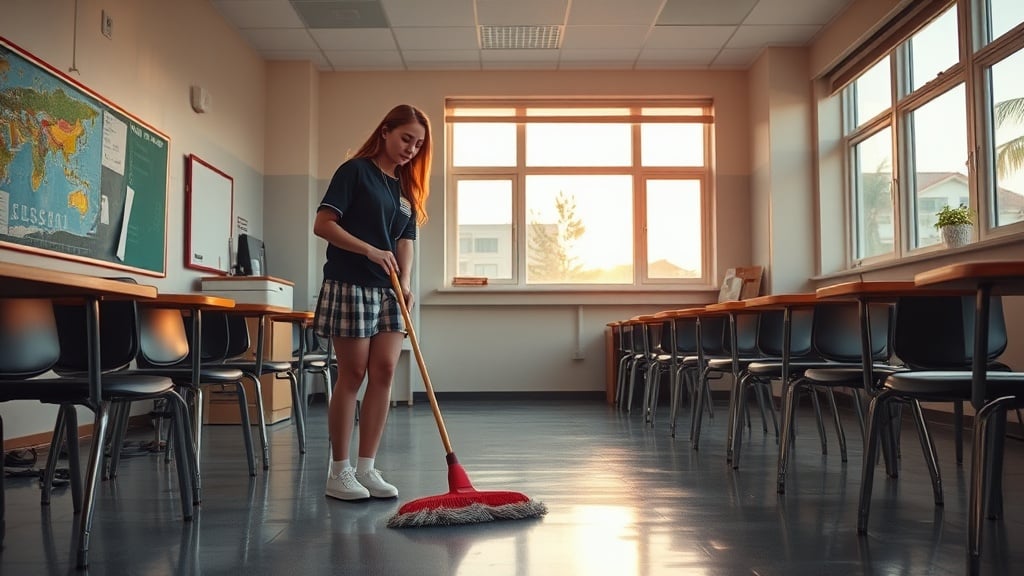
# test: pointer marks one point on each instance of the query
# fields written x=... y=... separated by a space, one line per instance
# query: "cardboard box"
x=221 y=407
x=250 y=289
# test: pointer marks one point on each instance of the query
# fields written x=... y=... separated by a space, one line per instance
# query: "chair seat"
x=772 y=368
x=63 y=390
x=207 y=374
x=725 y=364
x=851 y=374
x=953 y=385
x=269 y=366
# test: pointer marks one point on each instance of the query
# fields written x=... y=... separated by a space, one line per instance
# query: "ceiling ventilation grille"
x=520 y=37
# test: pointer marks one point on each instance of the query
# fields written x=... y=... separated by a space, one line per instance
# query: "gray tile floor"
x=623 y=499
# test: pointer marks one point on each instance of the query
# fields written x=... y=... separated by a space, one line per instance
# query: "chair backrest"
x=713 y=333
x=771 y=332
x=837 y=331
x=29 y=345
x=686 y=336
x=238 y=335
x=216 y=337
x=937 y=332
x=163 y=338
x=119 y=336
x=746 y=335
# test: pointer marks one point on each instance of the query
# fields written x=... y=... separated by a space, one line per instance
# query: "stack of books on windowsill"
x=469 y=281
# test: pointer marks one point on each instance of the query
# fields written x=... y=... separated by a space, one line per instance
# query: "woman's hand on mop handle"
x=384 y=258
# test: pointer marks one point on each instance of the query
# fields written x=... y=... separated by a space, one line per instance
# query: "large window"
x=909 y=131
x=579 y=193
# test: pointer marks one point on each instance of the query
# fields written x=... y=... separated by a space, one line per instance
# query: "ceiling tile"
x=760 y=36
x=607 y=37
x=520 y=56
x=736 y=58
x=429 y=13
x=795 y=11
x=620 y=56
x=315 y=56
x=354 y=39
x=650 y=59
x=441 y=56
x=597 y=12
x=365 y=60
x=280 y=38
x=462 y=38
x=506 y=13
x=259 y=14
x=683 y=37
x=697 y=12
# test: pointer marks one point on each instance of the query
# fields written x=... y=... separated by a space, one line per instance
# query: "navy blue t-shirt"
x=372 y=208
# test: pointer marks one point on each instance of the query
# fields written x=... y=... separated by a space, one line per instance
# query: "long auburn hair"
x=415 y=175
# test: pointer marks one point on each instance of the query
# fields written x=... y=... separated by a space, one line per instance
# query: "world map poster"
x=79 y=177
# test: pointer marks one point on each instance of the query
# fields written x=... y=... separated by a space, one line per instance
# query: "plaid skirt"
x=352 y=311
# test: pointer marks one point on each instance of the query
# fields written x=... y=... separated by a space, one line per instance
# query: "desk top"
x=1005 y=276
x=190 y=300
x=303 y=316
x=259 y=309
x=21 y=281
x=729 y=306
x=861 y=288
x=778 y=301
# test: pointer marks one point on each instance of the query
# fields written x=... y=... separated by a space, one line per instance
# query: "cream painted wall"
x=158 y=50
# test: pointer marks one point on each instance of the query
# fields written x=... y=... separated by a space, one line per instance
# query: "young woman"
x=369 y=217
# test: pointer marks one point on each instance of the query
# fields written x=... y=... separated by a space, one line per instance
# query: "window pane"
x=872 y=172
x=933 y=49
x=579 y=229
x=672 y=144
x=1008 y=139
x=559 y=144
x=583 y=111
x=483 y=144
x=485 y=227
x=1004 y=15
x=673 y=229
x=938 y=140
x=871 y=93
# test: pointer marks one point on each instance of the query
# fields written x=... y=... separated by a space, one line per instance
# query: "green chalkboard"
x=80 y=178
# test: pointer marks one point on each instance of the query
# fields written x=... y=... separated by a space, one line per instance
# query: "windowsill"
x=939 y=254
x=507 y=296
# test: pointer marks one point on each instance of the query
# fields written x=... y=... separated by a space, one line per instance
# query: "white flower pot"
x=956 y=235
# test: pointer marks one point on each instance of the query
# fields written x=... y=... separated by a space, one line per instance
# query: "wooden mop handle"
x=419 y=360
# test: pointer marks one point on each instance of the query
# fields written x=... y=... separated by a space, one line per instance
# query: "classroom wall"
x=481 y=343
x=157 y=52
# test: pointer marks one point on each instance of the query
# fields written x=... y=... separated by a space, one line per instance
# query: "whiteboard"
x=209 y=202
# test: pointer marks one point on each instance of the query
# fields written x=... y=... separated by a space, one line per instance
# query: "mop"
x=462 y=504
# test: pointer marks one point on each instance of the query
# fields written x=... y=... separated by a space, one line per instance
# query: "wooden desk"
x=21 y=281
x=985 y=278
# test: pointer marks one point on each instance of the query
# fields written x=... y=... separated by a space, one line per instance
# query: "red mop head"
x=465 y=505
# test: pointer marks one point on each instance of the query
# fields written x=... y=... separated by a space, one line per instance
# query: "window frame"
x=972 y=71
x=641 y=280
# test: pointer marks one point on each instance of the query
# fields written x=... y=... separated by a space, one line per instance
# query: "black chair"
x=835 y=338
x=165 y=351
x=239 y=343
x=934 y=337
x=37 y=336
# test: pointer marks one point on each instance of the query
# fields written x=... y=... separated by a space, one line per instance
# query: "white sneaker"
x=344 y=486
x=376 y=485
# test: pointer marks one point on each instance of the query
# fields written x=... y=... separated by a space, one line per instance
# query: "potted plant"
x=955 y=225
